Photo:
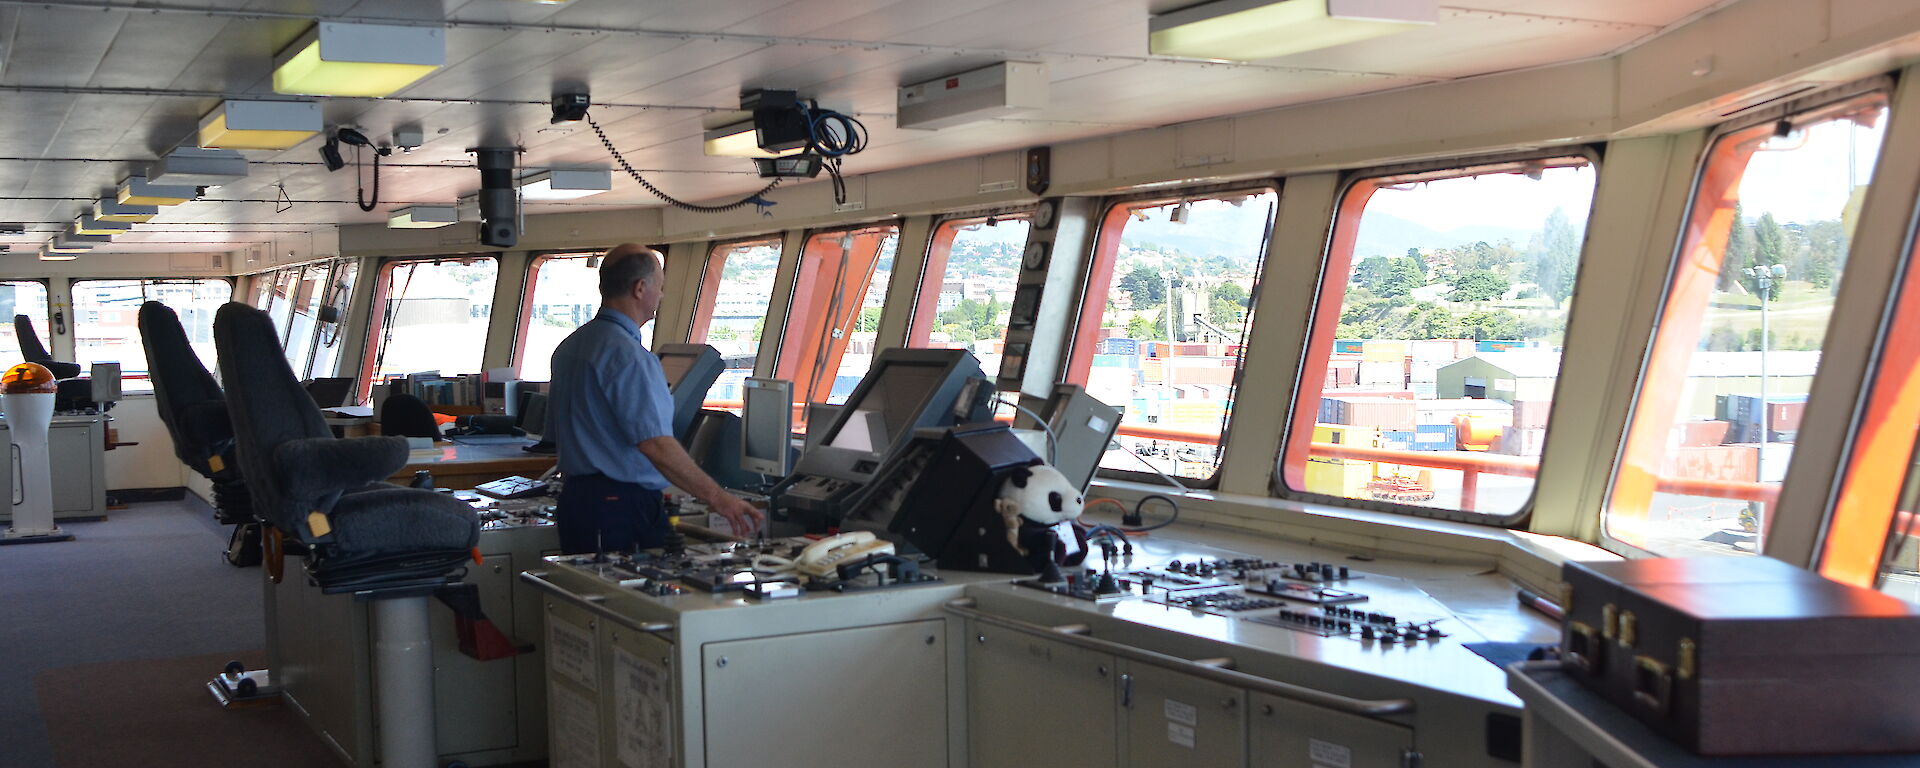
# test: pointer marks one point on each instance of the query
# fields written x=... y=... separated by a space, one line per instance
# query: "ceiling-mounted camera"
x=801 y=166
x=499 y=207
x=570 y=107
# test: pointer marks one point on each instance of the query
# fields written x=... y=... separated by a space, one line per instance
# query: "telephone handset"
x=821 y=558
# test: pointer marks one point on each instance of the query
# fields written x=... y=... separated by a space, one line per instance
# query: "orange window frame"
x=1696 y=268
x=377 y=313
x=526 y=299
x=829 y=289
x=709 y=290
x=1867 y=512
x=1093 y=307
x=1336 y=274
x=939 y=249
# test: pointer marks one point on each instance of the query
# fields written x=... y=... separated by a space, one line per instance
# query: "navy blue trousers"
x=600 y=514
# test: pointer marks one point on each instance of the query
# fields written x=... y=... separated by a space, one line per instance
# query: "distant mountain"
x=1384 y=235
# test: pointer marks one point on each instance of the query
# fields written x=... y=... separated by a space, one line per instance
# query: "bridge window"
x=563 y=293
x=1739 y=340
x=309 y=287
x=106 y=327
x=24 y=297
x=431 y=315
x=735 y=291
x=968 y=285
x=1429 y=375
x=837 y=299
x=1164 y=322
x=334 y=298
x=1876 y=519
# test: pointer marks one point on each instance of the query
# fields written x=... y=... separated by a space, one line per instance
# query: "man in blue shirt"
x=611 y=415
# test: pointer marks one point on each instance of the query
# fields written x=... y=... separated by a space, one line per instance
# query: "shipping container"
x=1734 y=463
x=1531 y=414
x=1398 y=440
x=1701 y=434
x=1116 y=361
x=1348 y=346
x=1118 y=346
x=1339 y=477
x=1444 y=411
x=1383 y=351
x=1387 y=413
x=1499 y=346
x=1521 y=441
x=1387 y=372
x=1434 y=437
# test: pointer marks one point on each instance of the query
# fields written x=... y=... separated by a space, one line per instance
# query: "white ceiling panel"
x=1501 y=43
x=1656 y=13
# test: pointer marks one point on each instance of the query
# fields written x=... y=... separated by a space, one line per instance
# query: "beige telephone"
x=821 y=558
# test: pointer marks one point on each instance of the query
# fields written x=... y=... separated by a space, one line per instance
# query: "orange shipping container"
x=1701 y=434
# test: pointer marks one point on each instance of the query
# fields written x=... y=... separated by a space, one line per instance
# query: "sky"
x=1501 y=200
x=1806 y=179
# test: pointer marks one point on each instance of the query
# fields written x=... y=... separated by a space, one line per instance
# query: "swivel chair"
x=195 y=414
x=404 y=415
x=389 y=545
x=33 y=351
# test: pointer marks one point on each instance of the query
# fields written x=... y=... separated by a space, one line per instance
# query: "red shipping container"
x=1785 y=416
x=1386 y=413
x=1721 y=462
x=1703 y=434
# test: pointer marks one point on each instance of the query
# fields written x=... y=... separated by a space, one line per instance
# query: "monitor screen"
x=533 y=413
x=675 y=367
x=767 y=413
x=898 y=392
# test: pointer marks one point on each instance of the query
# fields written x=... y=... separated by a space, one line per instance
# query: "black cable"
x=756 y=198
x=360 y=190
x=1138 y=505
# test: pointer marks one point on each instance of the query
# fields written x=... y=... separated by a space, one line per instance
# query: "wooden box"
x=1746 y=656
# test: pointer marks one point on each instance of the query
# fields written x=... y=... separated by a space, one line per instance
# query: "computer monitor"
x=690 y=370
x=767 y=409
x=820 y=418
x=533 y=413
x=1082 y=428
x=898 y=390
x=331 y=391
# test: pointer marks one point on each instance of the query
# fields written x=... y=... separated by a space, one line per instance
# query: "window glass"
x=280 y=300
x=305 y=303
x=326 y=342
x=565 y=293
x=1739 y=339
x=1166 y=314
x=735 y=292
x=837 y=300
x=106 y=321
x=23 y=297
x=1436 y=347
x=967 y=286
x=433 y=316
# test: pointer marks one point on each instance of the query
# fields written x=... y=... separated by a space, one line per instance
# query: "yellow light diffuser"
x=135 y=190
x=260 y=124
x=1246 y=30
x=739 y=140
x=368 y=60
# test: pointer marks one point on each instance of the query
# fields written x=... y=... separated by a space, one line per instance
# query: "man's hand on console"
x=745 y=517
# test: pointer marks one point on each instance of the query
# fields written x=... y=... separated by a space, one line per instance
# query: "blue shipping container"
x=1118 y=347
x=1434 y=437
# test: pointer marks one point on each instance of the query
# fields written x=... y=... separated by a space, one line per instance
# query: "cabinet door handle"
x=1126 y=691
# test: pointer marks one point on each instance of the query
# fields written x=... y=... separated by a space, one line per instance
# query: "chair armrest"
x=316 y=470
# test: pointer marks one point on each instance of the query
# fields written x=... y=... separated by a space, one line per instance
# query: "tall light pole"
x=1764 y=276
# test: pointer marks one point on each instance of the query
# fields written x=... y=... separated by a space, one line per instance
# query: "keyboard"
x=515 y=487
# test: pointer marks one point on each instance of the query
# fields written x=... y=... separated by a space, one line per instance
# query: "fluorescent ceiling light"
x=49 y=252
x=88 y=225
x=335 y=59
x=422 y=217
x=136 y=190
x=565 y=184
x=109 y=209
x=260 y=124
x=740 y=140
x=73 y=236
x=195 y=167
x=1245 y=30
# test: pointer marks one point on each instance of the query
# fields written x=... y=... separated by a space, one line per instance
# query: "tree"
x=1419 y=260
x=1372 y=271
x=869 y=321
x=1479 y=285
x=1145 y=285
x=1231 y=291
x=1739 y=251
x=1769 y=247
x=1141 y=327
x=1403 y=276
x=1559 y=258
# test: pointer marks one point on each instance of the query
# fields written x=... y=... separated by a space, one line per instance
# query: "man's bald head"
x=623 y=266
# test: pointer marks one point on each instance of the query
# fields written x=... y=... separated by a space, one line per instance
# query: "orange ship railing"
x=1470 y=465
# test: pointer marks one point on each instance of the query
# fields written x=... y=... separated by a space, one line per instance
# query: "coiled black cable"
x=753 y=199
x=1138 y=505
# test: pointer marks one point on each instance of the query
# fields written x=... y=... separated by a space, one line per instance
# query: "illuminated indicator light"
x=260 y=124
x=739 y=140
x=1246 y=30
x=87 y=225
x=563 y=184
x=109 y=209
x=370 y=60
x=422 y=217
x=136 y=190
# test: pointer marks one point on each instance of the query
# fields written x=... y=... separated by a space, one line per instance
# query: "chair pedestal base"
x=403 y=663
x=246 y=690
